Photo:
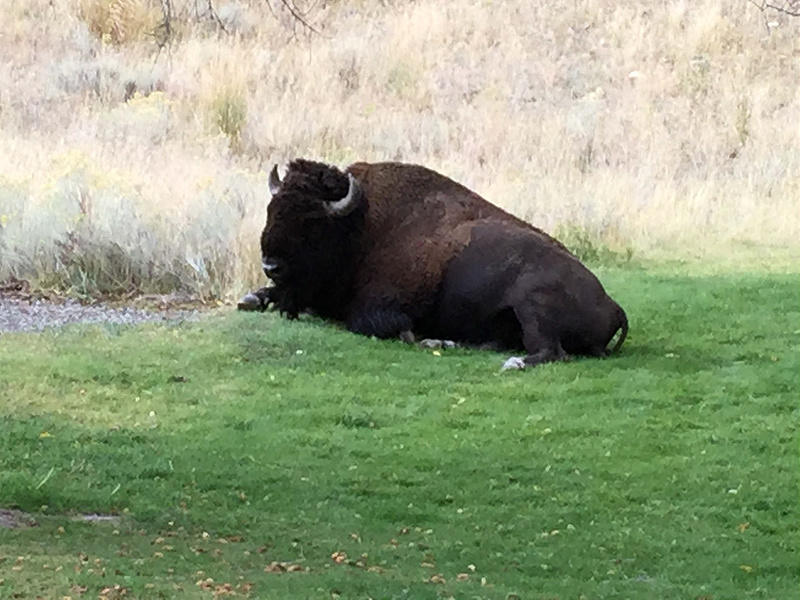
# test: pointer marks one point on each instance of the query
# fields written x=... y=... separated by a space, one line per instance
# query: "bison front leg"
x=258 y=300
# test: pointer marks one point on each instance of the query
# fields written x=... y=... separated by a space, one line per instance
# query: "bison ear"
x=274 y=181
x=343 y=207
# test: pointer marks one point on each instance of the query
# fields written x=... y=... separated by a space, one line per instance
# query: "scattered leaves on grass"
x=112 y=592
x=225 y=589
x=339 y=557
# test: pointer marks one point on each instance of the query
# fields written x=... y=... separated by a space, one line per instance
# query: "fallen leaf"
x=205 y=584
x=282 y=567
x=746 y=568
x=743 y=527
x=462 y=577
x=274 y=567
x=339 y=557
x=293 y=568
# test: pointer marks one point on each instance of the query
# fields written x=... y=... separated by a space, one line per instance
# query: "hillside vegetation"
x=652 y=127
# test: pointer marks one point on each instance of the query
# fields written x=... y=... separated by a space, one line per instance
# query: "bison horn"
x=345 y=206
x=274 y=181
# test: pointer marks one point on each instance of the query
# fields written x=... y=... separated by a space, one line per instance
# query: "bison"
x=392 y=249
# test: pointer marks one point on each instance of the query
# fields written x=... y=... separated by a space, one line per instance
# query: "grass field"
x=373 y=469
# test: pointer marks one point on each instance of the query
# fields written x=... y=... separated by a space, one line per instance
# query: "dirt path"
x=22 y=311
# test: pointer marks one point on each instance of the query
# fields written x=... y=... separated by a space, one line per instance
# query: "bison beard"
x=389 y=248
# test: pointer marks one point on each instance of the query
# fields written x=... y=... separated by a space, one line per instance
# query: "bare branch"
x=163 y=33
x=215 y=17
x=788 y=7
x=296 y=14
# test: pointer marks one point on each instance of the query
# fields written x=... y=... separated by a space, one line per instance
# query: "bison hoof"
x=407 y=336
x=515 y=362
x=434 y=344
x=250 y=302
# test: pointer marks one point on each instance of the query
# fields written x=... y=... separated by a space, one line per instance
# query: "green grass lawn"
x=385 y=471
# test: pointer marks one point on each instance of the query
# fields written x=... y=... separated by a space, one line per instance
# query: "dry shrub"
x=121 y=21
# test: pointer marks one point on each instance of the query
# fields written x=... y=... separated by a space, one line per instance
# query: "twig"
x=165 y=27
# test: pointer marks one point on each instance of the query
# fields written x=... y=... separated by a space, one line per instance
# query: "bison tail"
x=622 y=327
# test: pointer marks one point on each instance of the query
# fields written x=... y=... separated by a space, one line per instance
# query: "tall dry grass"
x=667 y=127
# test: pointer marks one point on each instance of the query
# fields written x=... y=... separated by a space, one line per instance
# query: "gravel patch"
x=28 y=314
x=12 y=519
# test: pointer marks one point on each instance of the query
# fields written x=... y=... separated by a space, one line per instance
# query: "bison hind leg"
x=435 y=344
x=537 y=358
x=542 y=346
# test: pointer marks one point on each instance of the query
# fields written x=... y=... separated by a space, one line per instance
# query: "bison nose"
x=272 y=268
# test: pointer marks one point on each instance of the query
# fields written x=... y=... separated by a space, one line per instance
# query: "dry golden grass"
x=667 y=127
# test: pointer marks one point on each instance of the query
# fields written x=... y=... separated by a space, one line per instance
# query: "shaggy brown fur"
x=418 y=251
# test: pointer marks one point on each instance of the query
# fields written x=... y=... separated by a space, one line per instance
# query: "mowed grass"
x=387 y=471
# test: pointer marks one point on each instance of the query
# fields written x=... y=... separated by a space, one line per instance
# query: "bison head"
x=309 y=244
